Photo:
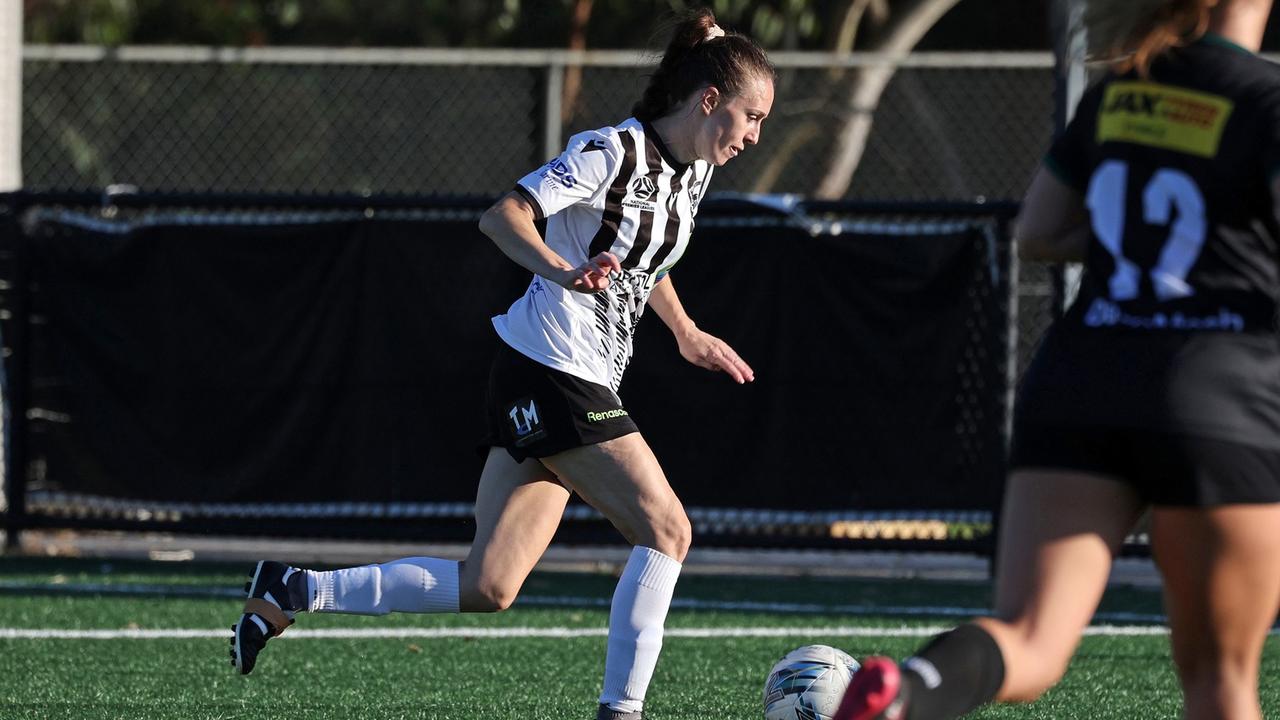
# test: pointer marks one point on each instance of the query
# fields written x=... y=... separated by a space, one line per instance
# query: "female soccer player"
x=619 y=205
x=1160 y=387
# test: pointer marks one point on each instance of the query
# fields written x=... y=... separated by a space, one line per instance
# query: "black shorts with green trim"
x=1166 y=469
x=537 y=411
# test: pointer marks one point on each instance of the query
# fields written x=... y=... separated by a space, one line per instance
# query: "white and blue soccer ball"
x=808 y=683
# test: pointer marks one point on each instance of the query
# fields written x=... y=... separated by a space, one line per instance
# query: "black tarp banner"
x=307 y=361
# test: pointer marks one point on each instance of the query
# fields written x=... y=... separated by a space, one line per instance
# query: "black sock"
x=299 y=594
x=955 y=673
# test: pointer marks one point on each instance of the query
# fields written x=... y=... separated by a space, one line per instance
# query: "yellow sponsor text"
x=1163 y=116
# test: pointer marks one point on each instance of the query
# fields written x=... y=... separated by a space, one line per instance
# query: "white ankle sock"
x=636 y=619
x=416 y=585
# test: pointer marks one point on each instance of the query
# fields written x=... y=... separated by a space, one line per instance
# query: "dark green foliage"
x=403 y=23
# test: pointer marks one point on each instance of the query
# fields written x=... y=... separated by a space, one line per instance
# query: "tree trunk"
x=907 y=27
x=856 y=95
x=573 y=73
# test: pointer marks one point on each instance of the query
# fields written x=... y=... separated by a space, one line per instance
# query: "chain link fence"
x=966 y=127
x=947 y=126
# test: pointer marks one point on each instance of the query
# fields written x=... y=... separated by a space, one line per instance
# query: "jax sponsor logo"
x=1163 y=116
x=606 y=415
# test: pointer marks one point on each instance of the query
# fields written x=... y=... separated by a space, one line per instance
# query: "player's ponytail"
x=701 y=54
x=1131 y=34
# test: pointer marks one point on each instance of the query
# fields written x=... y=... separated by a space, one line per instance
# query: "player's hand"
x=710 y=352
x=592 y=276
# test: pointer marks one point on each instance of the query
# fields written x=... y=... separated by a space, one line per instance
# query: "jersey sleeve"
x=1069 y=157
x=577 y=175
x=1271 y=136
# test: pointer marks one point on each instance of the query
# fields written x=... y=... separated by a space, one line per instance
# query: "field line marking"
x=533 y=632
x=553 y=601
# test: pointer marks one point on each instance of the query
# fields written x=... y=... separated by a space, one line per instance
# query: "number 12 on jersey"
x=1168 y=190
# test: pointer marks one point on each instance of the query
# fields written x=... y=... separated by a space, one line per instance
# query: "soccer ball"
x=808 y=683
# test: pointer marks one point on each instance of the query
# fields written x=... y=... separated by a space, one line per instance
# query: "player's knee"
x=484 y=596
x=1032 y=681
x=673 y=536
x=490 y=599
x=1035 y=683
x=1208 y=672
x=1040 y=664
x=1210 y=692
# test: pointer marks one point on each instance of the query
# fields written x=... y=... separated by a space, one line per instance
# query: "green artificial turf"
x=301 y=677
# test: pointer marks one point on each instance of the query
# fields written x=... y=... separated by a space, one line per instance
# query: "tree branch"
x=906 y=27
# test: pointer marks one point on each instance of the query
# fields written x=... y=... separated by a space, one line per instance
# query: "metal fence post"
x=1004 y=227
x=10 y=96
x=552 y=103
x=1071 y=77
x=1004 y=231
x=15 y=381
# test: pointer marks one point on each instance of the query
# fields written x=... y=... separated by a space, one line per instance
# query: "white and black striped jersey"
x=617 y=189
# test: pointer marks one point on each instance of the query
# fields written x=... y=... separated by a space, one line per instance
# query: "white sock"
x=416 y=585
x=636 y=619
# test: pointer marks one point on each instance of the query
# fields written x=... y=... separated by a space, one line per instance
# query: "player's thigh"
x=1221 y=569
x=1059 y=531
x=518 y=508
x=623 y=480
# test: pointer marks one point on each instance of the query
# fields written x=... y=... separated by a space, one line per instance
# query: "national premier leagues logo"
x=643 y=188
x=642 y=191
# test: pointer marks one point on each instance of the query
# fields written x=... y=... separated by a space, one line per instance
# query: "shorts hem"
x=540 y=450
x=1166 y=469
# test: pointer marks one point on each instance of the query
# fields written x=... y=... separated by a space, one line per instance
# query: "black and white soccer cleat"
x=268 y=611
x=605 y=713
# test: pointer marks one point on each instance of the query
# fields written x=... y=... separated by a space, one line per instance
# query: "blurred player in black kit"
x=1160 y=387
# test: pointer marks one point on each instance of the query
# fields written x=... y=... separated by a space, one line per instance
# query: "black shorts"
x=1165 y=469
x=537 y=411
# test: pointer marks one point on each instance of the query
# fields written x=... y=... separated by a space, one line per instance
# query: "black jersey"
x=1175 y=170
x=1174 y=328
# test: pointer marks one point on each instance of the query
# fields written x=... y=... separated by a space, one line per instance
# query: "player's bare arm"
x=1275 y=195
x=509 y=223
x=1052 y=225
x=698 y=347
